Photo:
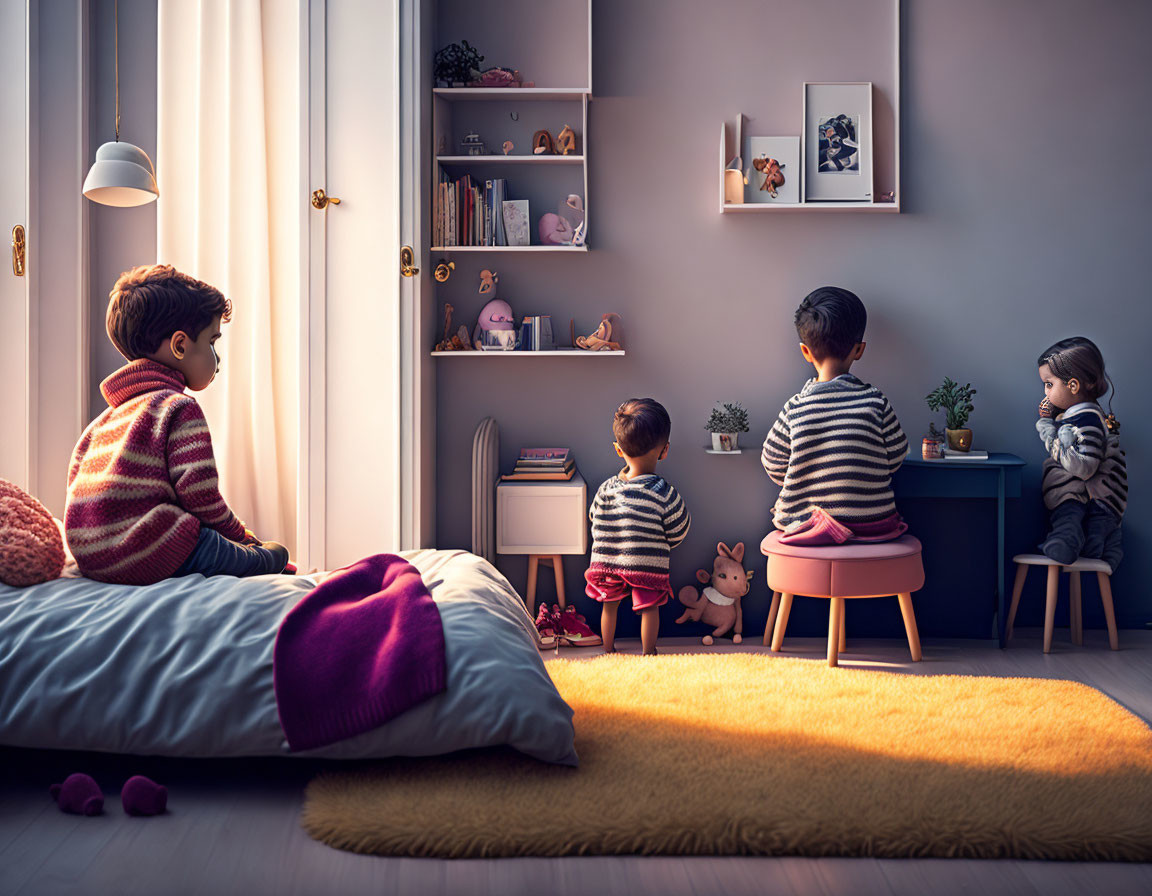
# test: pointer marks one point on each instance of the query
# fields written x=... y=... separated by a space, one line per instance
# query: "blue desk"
x=997 y=477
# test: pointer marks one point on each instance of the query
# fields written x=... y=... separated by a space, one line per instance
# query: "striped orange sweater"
x=143 y=480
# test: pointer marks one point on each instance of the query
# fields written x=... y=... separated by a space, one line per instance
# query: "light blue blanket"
x=184 y=668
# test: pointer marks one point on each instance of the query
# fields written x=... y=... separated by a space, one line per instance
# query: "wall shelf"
x=554 y=353
x=744 y=207
x=511 y=160
x=489 y=94
x=570 y=250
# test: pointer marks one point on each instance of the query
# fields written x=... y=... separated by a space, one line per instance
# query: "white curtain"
x=228 y=163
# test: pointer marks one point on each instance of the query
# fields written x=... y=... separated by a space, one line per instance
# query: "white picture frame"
x=786 y=151
x=837 y=168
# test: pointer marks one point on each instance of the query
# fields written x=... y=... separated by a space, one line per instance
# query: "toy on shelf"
x=495 y=329
x=458 y=341
x=498 y=77
x=773 y=174
x=566 y=141
x=606 y=337
x=508 y=146
x=472 y=145
x=555 y=230
x=719 y=604
x=542 y=144
x=572 y=210
x=453 y=65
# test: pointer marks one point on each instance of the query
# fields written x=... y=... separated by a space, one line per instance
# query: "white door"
x=14 y=328
x=350 y=493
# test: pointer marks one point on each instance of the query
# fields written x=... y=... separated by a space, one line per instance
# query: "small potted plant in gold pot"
x=956 y=402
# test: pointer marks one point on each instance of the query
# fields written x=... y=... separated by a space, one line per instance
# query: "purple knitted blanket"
x=362 y=647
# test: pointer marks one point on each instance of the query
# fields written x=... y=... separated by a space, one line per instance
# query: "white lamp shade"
x=122 y=175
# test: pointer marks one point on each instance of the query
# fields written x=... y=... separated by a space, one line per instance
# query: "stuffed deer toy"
x=719 y=603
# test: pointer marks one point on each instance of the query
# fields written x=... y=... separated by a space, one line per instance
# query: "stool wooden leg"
x=843 y=604
x=835 y=617
x=910 y=625
x=1050 y=606
x=1017 y=588
x=1109 y=612
x=772 y=611
x=558 y=572
x=1075 y=620
x=533 y=567
x=781 y=621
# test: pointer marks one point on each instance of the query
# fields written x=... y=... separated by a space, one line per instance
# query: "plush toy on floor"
x=78 y=795
x=719 y=604
x=143 y=796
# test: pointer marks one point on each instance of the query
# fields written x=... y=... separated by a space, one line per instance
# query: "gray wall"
x=119 y=238
x=1025 y=221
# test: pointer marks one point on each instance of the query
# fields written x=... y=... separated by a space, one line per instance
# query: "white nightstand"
x=544 y=519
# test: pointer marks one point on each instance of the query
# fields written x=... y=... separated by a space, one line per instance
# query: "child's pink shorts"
x=648 y=590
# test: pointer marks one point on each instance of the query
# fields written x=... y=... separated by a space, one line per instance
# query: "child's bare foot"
x=608 y=648
x=652 y=652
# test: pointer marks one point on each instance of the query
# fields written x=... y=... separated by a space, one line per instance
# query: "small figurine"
x=566 y=141
x=458 y=341
x=554 y=230
x=719 y=604
x=542 y=144
x=495 y=77
x=472 y=145
x=488 y=281
x=495 y=328
x=773 y=172
x=578 y=234
x=572 y=210
x=605 y=337
x=507 y=147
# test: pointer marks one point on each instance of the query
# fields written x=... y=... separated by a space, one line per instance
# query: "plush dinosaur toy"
x=719 y=604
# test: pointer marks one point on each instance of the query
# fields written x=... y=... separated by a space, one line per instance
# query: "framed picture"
x=837 y=141
x=772 y=166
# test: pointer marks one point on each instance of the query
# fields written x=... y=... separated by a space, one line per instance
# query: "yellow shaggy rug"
x=757 y=755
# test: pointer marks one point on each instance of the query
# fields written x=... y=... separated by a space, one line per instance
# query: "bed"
x=184 y=668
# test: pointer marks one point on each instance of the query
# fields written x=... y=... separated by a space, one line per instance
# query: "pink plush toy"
x=143 y=796
x=31 y=549
x=554 y=230
x=78 y=795
x=719 y=604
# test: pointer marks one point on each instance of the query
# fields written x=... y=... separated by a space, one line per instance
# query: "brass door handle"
x=18 y=248
x=320 y=199
x=406 y=259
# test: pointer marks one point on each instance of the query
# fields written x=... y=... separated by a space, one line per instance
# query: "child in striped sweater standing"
x=1085 y=480
x=637 y=518
x=143 y=496
x=837 y=442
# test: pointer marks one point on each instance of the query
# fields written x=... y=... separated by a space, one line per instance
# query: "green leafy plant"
x=955 y=400
x=729 y=417
x=933 y=433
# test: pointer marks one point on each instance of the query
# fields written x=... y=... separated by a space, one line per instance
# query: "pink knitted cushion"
x=31 y=549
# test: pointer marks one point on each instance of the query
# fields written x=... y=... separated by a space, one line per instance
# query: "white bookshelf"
x=551 y=353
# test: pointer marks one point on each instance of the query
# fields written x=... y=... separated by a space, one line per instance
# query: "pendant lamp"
x=122 y=174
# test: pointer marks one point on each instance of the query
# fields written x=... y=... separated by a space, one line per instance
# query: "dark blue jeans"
x=215 y=555
x=1083 y=530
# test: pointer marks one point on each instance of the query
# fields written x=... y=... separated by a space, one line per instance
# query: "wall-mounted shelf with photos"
x=843 y=152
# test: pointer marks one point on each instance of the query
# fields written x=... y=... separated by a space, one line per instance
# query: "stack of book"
x=469 y=212
x=543 y=463
x=536 y=334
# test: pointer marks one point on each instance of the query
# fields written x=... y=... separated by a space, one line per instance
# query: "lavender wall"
x=1025 y=221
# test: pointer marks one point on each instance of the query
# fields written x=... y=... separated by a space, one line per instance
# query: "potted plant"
x=956 y=402
x=726 y=423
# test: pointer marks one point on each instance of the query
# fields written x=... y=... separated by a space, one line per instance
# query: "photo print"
x=838 y=146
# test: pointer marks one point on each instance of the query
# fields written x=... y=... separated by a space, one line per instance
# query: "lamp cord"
x=116 y=16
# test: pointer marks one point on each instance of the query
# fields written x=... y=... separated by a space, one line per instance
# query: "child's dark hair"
x=640 y=425
x=830 y=321
x=151 y=302
x=1078 y=358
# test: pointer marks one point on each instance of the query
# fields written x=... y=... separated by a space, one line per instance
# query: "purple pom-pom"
x=79 y=795
x=143 y=796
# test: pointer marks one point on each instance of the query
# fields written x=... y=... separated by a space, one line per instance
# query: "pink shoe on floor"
x=573 y=629
x=547 y=634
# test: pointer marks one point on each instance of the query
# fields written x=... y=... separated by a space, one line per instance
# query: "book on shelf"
x=469 y=212
x=555 y=456
x=560 y=468
x=536 y=333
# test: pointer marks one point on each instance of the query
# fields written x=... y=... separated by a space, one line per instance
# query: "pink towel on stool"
x=821 y=529
x=362 y=647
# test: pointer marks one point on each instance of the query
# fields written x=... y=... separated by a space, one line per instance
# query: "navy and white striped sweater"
x=635 y=523
x=835 y=446
x=1085 y=463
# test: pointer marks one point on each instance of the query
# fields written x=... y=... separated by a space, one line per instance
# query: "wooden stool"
x=890 y=568
x=1075 y=622
x=556 y=561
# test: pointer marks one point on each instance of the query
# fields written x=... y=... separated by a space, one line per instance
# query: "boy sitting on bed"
x=837 y=442
x=143 y=499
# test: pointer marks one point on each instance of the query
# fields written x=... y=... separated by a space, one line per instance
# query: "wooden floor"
x=233 y=825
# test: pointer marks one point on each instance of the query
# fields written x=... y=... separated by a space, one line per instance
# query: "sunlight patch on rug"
x=757 y=755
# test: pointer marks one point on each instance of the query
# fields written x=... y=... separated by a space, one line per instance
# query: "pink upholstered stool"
x=838 y=573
